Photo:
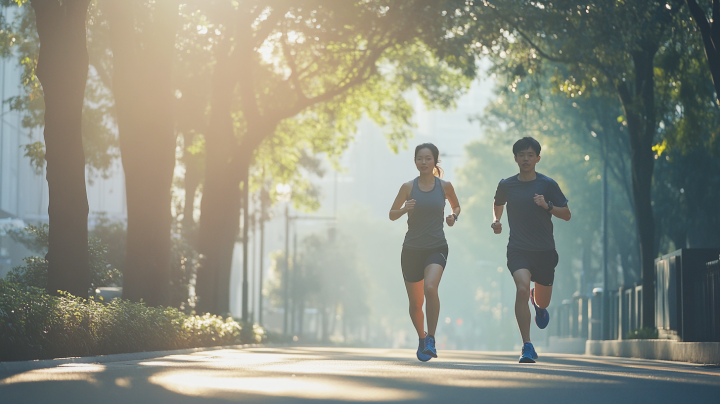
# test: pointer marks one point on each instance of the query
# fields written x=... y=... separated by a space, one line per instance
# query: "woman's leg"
x=433 y=274
x=416 y=297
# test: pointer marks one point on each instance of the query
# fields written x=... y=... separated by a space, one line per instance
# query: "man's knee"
x=523 y=291
x=431 y=290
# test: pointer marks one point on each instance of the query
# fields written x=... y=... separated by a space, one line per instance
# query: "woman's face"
x=424 y=161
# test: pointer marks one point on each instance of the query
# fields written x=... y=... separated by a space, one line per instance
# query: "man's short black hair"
x=525 y=143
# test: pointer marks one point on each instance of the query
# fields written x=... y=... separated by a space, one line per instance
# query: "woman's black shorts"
x=541 y=264
x=414 y=262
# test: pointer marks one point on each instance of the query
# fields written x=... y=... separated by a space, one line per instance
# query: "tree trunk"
x=142 y=86
x=62 y=70
x=220 y=205
x=710 y=31
x=639 y=109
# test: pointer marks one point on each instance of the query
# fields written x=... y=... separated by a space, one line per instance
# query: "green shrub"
x=35 y=325
x=642 y=333
x=34 y=272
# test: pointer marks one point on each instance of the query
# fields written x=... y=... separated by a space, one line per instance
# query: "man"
x=532 y=199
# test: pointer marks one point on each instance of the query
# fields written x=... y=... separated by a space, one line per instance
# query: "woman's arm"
x=454 y=202
x=397 y=209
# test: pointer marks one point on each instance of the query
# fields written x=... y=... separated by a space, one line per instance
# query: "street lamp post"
x=286 y=270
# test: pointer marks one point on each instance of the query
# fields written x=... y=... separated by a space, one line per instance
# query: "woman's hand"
x=409 y=205
x=450 y=220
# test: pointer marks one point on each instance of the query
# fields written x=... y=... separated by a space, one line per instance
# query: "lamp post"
x=286 y=269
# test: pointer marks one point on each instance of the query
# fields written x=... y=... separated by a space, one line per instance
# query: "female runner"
x=425 y=250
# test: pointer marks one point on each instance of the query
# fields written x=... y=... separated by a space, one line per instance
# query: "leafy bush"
x=642 y=333
x=34 y=272
x=35 y=325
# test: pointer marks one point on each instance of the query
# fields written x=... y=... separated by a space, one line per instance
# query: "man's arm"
x=497 y=214
x=557 y=211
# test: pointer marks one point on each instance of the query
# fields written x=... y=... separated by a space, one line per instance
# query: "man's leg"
x=416 y=297
x=433 y=274
x=522 y=311
x=543 y=294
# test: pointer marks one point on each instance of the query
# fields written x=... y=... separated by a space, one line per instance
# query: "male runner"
x=532 y=200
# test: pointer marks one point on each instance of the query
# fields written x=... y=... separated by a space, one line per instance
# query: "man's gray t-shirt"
x=531 y=227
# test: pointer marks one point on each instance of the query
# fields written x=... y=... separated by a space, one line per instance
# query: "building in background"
x=23 y=192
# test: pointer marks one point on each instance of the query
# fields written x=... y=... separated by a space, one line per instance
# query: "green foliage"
x=34 y=272
x=184 y=264
x=35 y=325
x=113 y=234
x=642 y=333
x=36 y=153
x=18 y=38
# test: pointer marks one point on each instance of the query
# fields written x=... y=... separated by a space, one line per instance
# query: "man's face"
x=526 y=160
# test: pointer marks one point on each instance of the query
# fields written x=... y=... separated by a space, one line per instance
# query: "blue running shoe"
x=528 y=353
x=420 y=355
x=542 y=316
x=430 y=346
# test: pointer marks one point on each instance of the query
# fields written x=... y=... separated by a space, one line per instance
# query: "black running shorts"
x=414 y=262
x=541 y=264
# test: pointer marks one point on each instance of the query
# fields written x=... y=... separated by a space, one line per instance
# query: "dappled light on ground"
x=298 y=374
x=69 y=372
x=227 y=386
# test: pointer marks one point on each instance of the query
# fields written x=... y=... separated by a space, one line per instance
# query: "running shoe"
x=420 y=355
x=430 y=346
x=542 y=316
x=528 y=353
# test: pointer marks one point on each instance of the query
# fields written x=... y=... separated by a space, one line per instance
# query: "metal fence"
x=581 y=316
x=687 y=303
x=687 y=295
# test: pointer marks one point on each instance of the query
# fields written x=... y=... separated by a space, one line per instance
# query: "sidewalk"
x=693 y=352
x=24 y=366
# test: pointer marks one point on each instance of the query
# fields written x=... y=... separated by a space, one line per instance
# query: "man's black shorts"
x=541 y=264
x=414 y=262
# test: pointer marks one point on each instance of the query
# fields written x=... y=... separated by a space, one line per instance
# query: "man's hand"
x=497 y=227
x=450 y=220
x=409 y=205
x=540 y=201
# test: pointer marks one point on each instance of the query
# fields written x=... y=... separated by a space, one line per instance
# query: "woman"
x=425 y=250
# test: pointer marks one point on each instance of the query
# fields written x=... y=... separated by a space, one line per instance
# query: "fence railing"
x=687 y=303
x=687 y=295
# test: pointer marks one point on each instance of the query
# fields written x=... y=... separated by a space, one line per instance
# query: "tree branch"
x=293 y=66
x=267 y=27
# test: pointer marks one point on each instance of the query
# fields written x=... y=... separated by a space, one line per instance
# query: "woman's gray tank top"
x=425 y=221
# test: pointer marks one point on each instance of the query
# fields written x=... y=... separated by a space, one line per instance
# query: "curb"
x=23 y=366
x=693 y=352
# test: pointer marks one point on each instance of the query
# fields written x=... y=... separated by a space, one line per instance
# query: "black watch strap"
x=550 y=206
x=455 y=216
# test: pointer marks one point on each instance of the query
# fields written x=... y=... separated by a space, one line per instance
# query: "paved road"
x=302 y=375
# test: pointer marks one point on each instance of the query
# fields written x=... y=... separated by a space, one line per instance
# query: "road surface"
x=305 y=375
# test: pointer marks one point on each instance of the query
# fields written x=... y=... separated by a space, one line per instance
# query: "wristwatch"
x=550 y=206
x=455 y=216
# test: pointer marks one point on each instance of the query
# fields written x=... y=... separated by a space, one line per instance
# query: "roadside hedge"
x=35 y=325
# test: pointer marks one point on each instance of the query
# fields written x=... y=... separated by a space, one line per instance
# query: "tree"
x=607 y=46
x=324 y=56
x=142 y=37
x=62 y=70
x=710 y=31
